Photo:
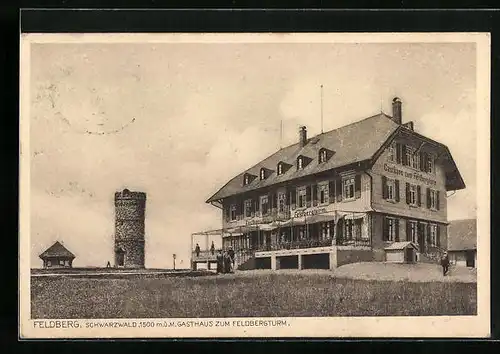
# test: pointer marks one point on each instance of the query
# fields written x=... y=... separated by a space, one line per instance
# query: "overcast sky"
x=177 y=121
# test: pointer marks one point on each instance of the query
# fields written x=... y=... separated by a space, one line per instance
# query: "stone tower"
x=130 y=210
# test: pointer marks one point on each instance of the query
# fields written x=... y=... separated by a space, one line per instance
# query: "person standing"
x=230 y=253
x=212 y=248
x=219 y=262
x=197 y=250
x=445 y=263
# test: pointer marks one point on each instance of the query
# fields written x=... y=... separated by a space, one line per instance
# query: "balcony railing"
x=205 y=255
x=313 y=243
x=245 y=253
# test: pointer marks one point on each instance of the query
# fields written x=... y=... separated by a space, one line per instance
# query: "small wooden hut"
x=57 y=256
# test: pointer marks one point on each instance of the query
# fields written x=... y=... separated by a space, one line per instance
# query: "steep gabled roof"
x=352 y=143
x=462 y=235
x=57 y=250
x=360 y=141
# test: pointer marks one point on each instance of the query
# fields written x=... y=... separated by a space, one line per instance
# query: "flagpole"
x=321 y=109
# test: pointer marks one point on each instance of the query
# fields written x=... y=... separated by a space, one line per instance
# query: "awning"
x=321 y=218
x=231 y=234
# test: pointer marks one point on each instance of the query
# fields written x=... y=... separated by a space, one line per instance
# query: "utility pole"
x=174 y=256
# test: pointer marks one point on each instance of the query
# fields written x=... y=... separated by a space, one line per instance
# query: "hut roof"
x=57 y=250
x=400 y=245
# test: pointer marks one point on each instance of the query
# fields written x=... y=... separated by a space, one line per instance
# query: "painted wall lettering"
x=413 y=175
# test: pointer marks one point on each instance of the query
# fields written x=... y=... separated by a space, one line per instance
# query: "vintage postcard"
x=254 y=185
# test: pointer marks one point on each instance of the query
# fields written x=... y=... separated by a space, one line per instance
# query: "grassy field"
x=267 y=295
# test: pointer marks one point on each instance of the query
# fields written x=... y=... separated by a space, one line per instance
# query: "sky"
x=178 y=120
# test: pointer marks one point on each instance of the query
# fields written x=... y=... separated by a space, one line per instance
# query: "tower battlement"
x=127 y=194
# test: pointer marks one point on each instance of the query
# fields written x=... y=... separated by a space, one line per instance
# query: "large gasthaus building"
x=373 y=190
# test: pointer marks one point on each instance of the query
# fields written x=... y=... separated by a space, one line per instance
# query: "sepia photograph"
x=216 y=185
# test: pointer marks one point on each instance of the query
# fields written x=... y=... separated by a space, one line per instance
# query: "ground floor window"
x=325 y=230
x=433 y=234
x=390 y=229
x=348 y=229
x=413 y=231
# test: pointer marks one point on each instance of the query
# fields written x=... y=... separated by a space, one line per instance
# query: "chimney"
x=396 y=110
x=303 y=136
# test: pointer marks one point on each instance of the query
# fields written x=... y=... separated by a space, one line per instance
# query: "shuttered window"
x=248 y=208
x=264 y=205
x=301 y=197
x=233 y=212
x=391 y=232
x=281 y=202
x=323 y=193
x=348 y=188
x=390 y=189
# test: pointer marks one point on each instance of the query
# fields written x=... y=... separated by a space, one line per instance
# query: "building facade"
x=130 y=211
x=340 y=197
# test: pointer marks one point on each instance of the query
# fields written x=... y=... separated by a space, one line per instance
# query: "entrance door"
x=120 y=258
x=409 y=258
x=469 y=259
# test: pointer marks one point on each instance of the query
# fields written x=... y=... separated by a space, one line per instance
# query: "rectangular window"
x=302 y=232
x=433 y=234
x=413 y=194
x=430 y=163
x=233 y=212
x=415 y=161
x=322 y=156
x=433 y=199
x=323 y=193
x=391 y=189
x=413 y=230
x=264 y=205
x=281 y=202
x=325 y=230
x=301 y=197
x=248 y=208
x=391 y=229
x=348 y=229
x=348 y=188
x=408 y=155
x=391 y=152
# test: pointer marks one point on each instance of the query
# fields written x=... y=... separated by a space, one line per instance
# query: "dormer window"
x=248 y=178
x=262 y=174
x=282 y=167
x=300 y=163
x=323 y=156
